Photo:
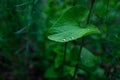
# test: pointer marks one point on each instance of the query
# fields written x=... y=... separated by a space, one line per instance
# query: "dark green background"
x=27 y=54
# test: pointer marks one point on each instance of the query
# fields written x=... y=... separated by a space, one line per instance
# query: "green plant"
x=77 y=50
x=71 y=26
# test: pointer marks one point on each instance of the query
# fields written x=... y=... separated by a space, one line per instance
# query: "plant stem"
x=82 y=42
x=74 y=2
x=106 y=16
x=89 y=15
x=78 y=59
x=65 y=51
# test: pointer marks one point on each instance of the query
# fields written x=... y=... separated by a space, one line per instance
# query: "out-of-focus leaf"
x=87 y=58
x=70 y=70
x=82 y=72
x=51 y=73
x=99 y=72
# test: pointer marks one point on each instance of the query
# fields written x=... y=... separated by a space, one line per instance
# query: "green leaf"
x=69 y=26
x=51 y=73
x=69 y=70
x=99 y=72
x=87 y=58
x=81 y=72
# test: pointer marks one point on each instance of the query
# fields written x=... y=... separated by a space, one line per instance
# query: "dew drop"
x=63 y=39
x=72 y=37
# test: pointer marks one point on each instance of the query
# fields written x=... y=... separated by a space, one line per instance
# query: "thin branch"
x=107 y=9
x=78 y=59
x=106 y=16
x=82 y=42
x=89 y=15
x=65 y=51
x=74 y=2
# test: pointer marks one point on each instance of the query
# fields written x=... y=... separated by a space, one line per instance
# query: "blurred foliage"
x=27 y=54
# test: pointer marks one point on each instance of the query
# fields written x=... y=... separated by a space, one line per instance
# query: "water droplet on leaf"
x=72 y=37
x=63 y=39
